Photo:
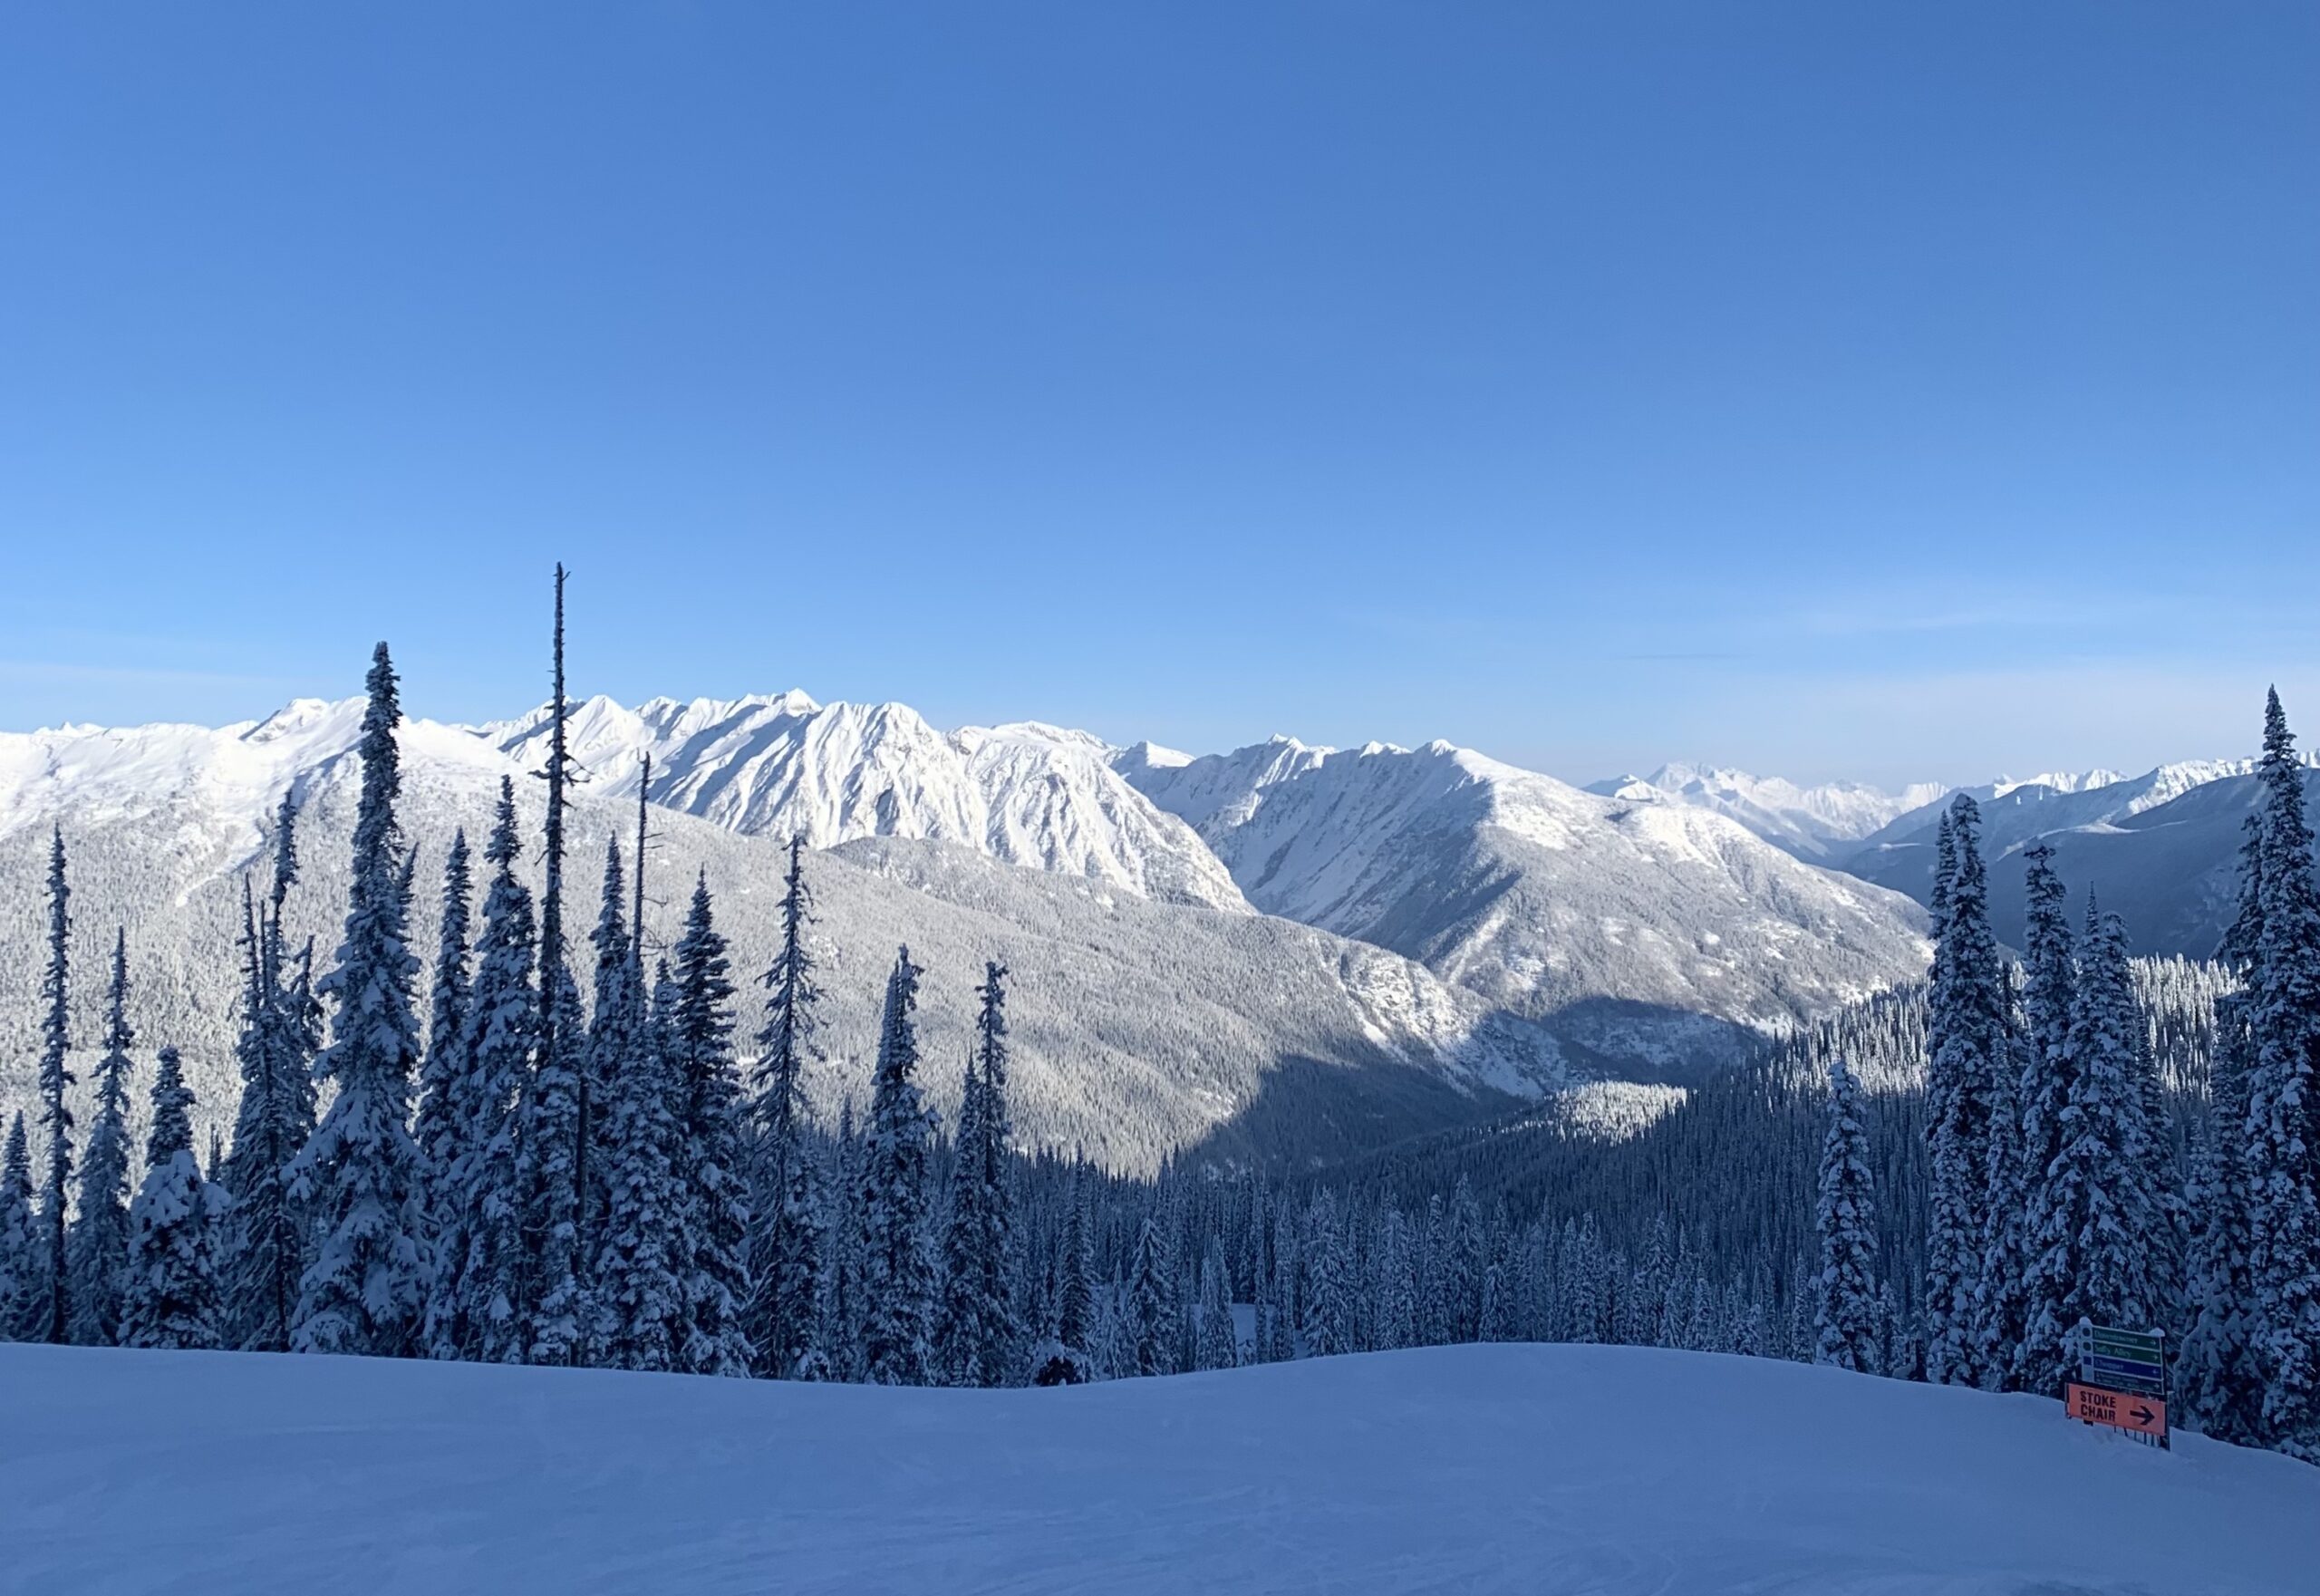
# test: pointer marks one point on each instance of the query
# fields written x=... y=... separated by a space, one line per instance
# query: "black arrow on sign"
x=2141 y=1415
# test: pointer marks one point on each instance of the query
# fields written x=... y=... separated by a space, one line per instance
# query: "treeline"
x=2065 y=1186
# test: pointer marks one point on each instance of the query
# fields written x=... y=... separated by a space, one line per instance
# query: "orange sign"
x=2144 y=1415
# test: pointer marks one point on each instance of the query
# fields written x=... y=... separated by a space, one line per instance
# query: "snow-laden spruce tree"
x=1844 y=1293
x=840 y=1339
x=2002 y=1277
x=1220 y=1342
x=979 y=1332
x=440 y=1128
x=715 y=1150
x=1074 y=1272
x=470 y=1299
x=1328 y=1284
x=611 y=1032
x=788 y=1241
x=2049 y=996
x=170 y=1295
x=55 y=1313
x=554 y=1303
x=1968 y=1023
x=2282 y=1161
x=639 y=1281
x=1149 y=1304
x=100 y=1241
x=266 y=1233
x=19 y=1237
x=1394 y=1292
x=365 y=1291
x=2092 y=1255
x=896 y=1256
x=2219 y=1376
x=551 y=1297
x=1288 y=1307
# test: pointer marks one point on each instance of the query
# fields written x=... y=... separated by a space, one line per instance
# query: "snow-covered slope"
x=1535 y=1470
x=1643 y=931
x=1027 y=794
x=1144 y=1026
x=1819 y=824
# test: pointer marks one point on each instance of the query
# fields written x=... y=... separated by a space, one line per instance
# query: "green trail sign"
x=2121 y=1381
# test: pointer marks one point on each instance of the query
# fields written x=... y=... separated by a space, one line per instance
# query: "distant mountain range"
x=1279 y=952
x=2160 y=848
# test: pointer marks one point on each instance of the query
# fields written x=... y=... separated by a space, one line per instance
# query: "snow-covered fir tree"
x=2049 y=997
x=55 y=1313
x=840 y=1336
x=267 y=1235
x=2219 y=1374
x=170 y=1296
x=550 y=1298
x=100 y=1239
x=1150 y=1310
x=896 y=1256
x=1328 y=1323
x=365 y=1291
x=440 y=1128
x=2001 y=1284
x=1074 y=1272
x=2282 y=1152
x=979 y=1332
x=1220 y=1343
x=555 y=1310
x=1844 y=1298
x=2089 y=1256
x=715 y=1152
x=639 y=1281
x=19 y=1237
x=787 y=1242
x=1967 y=1025
x=477 y=1260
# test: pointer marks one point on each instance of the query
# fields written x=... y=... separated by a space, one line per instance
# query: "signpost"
x=2122 y=1382
x=2143 y=1416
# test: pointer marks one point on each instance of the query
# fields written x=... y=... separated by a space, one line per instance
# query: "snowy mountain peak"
x=1816 y=823
x=1548 y=900
x=781 y=764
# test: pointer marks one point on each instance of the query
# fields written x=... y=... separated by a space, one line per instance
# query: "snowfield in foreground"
x=1501 y=1468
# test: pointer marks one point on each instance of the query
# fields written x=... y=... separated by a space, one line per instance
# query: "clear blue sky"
x=1833 y=390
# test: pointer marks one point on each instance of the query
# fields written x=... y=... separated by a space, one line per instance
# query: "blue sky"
x=1831 y=390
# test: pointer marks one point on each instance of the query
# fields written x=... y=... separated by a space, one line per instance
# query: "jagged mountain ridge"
x=1819 y=824
x=1144 y=1029
x=2168 y=868
x=2161 y=847
x=1646 y=944
x=1646 y=934
x=780 y=765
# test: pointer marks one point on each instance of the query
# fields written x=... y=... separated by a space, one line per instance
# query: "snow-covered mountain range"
x=1026 y=794
x=2161 y=847
x=1281 y=947
x=1821 y=823
x=1641 y=931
